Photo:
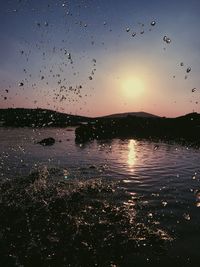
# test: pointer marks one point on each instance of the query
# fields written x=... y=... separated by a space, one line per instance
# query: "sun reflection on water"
x=132 y=154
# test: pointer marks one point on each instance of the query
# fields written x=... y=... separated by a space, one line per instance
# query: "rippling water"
x=162 y=180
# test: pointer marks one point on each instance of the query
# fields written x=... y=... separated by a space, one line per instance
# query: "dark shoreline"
x=38 y=118
x=182 y=130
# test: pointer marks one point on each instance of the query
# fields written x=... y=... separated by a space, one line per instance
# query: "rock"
x=47 y=141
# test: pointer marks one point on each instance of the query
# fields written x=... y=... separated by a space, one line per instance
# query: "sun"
x=132 y=87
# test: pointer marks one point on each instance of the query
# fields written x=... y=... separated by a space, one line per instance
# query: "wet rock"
x=47 y=141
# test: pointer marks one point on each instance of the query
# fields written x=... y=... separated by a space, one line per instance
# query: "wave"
x=47 y=220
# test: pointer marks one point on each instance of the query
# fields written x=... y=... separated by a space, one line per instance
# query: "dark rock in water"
x=47 y=141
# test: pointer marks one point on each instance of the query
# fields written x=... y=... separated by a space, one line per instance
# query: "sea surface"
x=162 y=180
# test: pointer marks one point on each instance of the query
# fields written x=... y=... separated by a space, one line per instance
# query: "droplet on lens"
x=165 y=38
x=168 y=40
x=153 y=23
x=186 y=216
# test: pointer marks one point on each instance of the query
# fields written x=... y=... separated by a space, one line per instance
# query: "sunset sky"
x=97 y=57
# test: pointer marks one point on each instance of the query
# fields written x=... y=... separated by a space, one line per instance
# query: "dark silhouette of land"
x=21 y=117
x=184 y=129
x=136 y=114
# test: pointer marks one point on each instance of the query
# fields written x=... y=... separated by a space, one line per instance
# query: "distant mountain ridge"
x=184 y=129
x=22 y=117
x=136 y=114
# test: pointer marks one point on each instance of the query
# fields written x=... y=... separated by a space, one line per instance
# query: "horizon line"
x=98 y=116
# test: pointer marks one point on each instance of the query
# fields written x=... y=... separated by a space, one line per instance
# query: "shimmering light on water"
x=161 y=180
x=132 y=154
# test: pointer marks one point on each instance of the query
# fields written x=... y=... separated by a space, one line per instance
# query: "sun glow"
x=133 y=87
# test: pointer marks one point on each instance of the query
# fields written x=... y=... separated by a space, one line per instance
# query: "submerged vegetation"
x=55 y=222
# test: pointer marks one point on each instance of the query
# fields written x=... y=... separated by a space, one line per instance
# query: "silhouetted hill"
x=190 y=116
x=20 y=117
x=184 y=129
x=136 y=114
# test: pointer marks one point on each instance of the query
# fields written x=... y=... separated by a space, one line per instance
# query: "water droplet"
x=66 y=174
x=153 y=23
x=164 y=203
x=90 y=77
x=21 y=84
x=198 y=195
x=141 y=32
x=181 y=64
x=133 y=34
x=165 y=38
x=198 y=204
x=156 y=147
x=127 y=29
x=186 y=216
x=188 y=70
x=193 y=90
x=150 y=215
x=69 y=56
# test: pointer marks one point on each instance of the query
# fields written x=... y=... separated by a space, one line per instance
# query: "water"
x=162 y=180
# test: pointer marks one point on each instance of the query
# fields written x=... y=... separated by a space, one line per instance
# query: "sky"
x=99 y=57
